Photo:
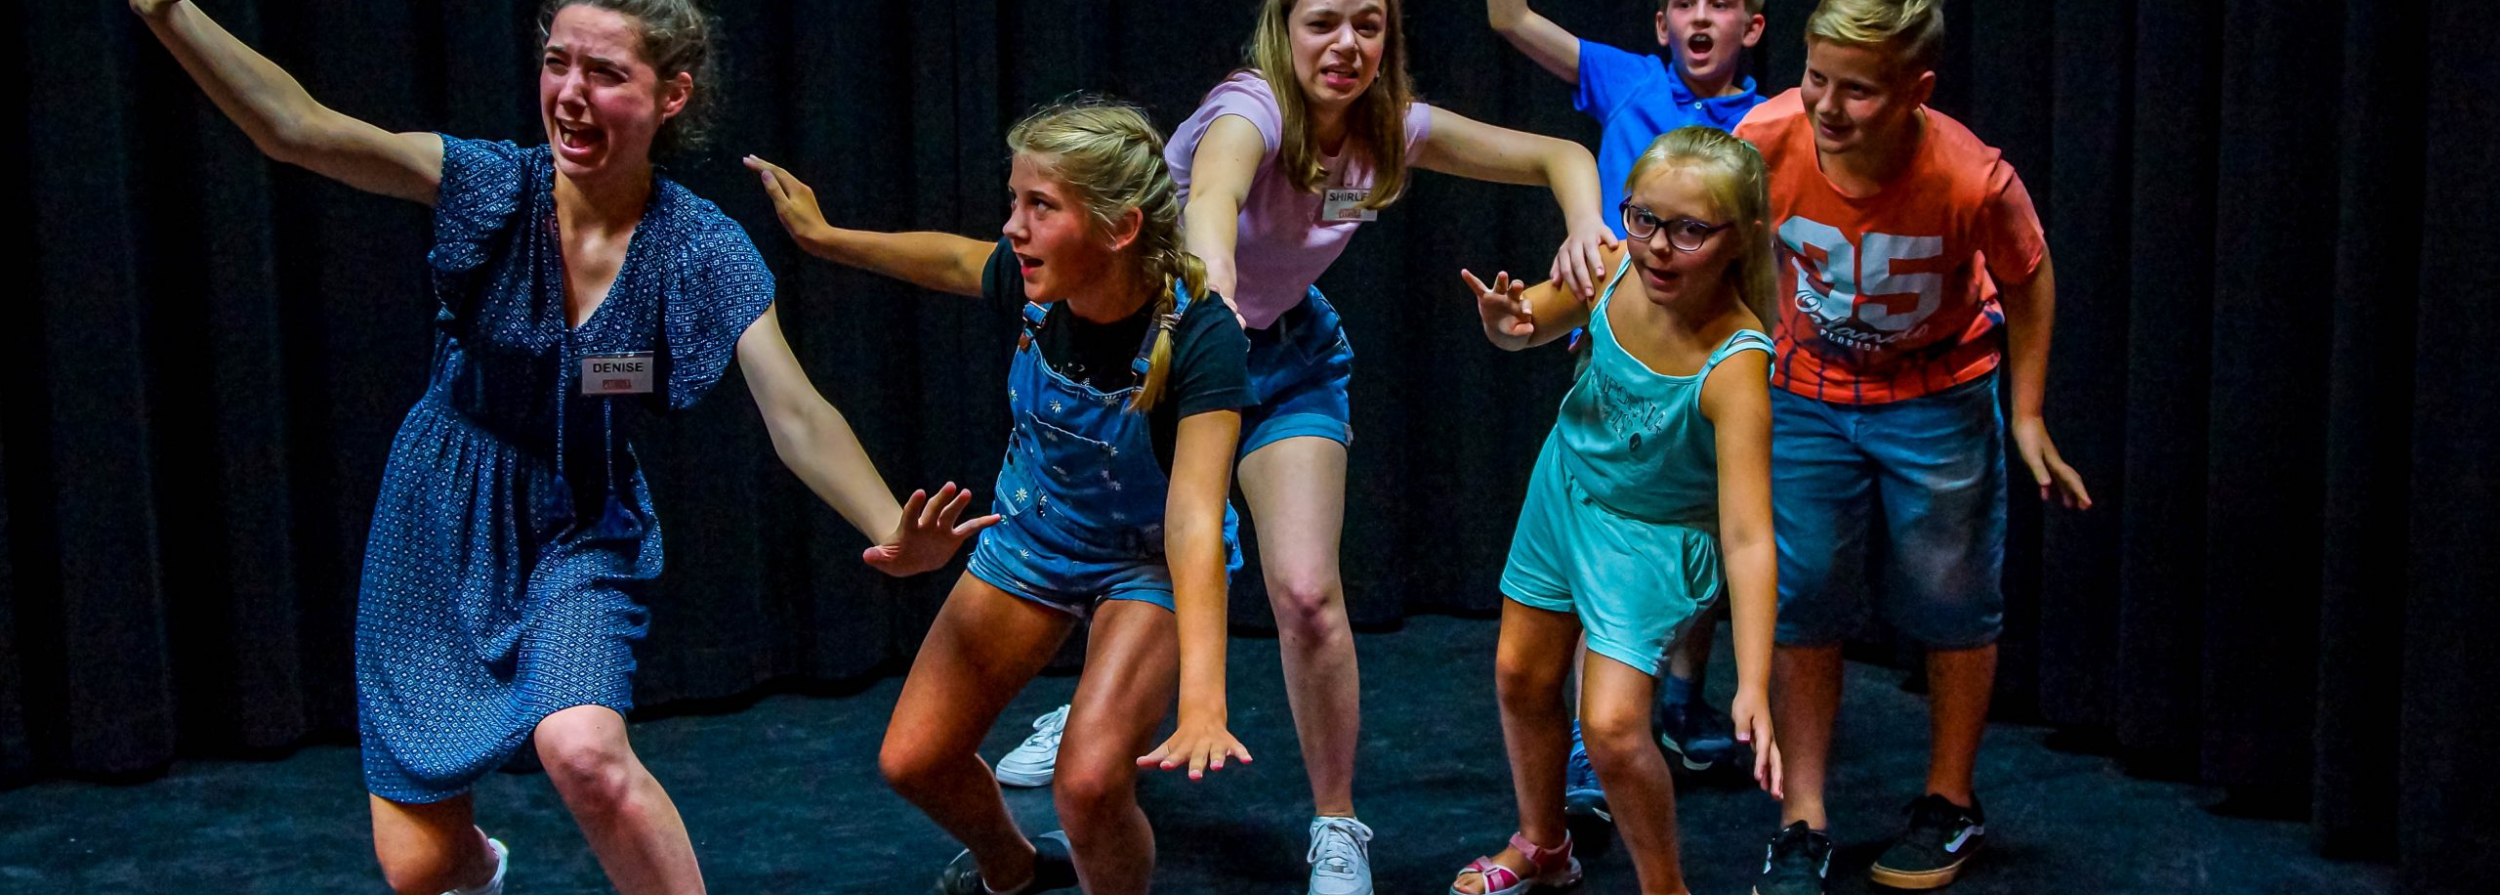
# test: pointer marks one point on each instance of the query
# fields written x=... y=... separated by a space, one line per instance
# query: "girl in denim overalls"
x=1112 y=501
x=1650 y=498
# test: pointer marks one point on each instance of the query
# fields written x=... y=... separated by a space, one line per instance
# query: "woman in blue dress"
x=580 y=294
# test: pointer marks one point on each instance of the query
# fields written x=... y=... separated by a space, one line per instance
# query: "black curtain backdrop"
x=2285 y=589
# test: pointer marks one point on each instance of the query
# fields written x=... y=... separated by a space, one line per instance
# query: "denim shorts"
x=1934 y=466
x=1299 y=367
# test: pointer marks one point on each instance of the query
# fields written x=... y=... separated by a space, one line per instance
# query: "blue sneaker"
x=1585 y=813
x=1693 y=733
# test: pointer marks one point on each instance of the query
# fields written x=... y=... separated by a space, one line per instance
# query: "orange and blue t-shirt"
x=1891 y=296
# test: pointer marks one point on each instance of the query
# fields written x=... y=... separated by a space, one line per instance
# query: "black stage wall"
x=2286 y=588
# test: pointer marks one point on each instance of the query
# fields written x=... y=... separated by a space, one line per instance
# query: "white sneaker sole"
x=1023 y=781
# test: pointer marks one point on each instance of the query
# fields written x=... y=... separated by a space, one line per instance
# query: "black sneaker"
x=1796 y=863
x=1052 y=869
x=1930 y=853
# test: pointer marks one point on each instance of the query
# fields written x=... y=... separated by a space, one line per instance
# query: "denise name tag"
x=617 y=374
x=1347 y=205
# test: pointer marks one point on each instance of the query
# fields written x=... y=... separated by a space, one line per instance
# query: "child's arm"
x=817 y=444
x=943 y=262
x=283 y=120
x=1737 y=400
x=2030 y=310
x=1518 y=316
x=1193 y=545
x=1547 y=43
x=1220 y=172
x=1469 y=148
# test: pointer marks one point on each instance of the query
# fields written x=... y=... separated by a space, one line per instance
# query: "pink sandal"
x=1555 y=869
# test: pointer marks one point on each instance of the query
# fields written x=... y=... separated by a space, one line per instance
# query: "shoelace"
x=1794 y=848
x=1047 y=729
x=1337 y=844
x=1933 y=821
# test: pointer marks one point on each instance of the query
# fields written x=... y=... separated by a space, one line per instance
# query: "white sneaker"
x=492 y=886
x=1341 y=862
x=1033 y=760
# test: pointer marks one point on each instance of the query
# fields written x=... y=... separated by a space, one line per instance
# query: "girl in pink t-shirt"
x=1279 y=165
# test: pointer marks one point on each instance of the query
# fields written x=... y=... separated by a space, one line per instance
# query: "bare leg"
x=1690 y=660
x=431 y=848
x=1132 y=672
x=630 y=822
x=1805 y=698
x=1615 y=706
x=983 y=647
x=1959 y=685
x=1530 y=667
x=1296 y=490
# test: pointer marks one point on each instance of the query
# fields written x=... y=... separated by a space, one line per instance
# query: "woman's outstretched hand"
x=928 y=535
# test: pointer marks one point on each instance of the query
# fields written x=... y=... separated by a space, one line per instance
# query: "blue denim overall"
x=1081 y=491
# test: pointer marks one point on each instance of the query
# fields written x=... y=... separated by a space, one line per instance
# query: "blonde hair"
x=1911 y=31
x=1752 y=7
x=1739 y=185
x=1377 y=123
x=1106 y=153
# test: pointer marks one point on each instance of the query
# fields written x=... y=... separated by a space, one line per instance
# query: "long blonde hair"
x=1739 y=184
x=1107 y=154
x=1377 y=123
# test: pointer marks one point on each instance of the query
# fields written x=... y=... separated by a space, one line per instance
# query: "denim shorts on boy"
x=1298 y=372
x=1935 y=467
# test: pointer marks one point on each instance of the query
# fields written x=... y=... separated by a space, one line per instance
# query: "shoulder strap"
x=1741 y=341
x=1034 y=316
x=1615 y=281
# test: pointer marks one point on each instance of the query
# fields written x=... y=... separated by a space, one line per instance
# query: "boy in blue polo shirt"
x=1636 y=97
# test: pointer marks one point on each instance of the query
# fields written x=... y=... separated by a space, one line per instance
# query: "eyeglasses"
x=1686 y=234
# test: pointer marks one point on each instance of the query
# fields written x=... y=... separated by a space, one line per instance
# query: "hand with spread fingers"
x=1508 y=319
x=929 y=534
x=793 y=200
x=1199 y=744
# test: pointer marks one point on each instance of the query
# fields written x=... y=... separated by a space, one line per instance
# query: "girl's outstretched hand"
x=1199 y=745
x=928 y=535
x=793 y=201
x=1503 y=306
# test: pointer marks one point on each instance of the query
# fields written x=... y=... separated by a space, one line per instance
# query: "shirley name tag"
x=617 y=374
x=1347 y=205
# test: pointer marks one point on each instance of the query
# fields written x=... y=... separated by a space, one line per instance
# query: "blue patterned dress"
x=514 y=531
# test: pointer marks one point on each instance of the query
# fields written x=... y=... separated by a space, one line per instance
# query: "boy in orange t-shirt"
x=1914 y=268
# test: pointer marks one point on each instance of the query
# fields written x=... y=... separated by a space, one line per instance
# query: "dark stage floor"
x=784 y=797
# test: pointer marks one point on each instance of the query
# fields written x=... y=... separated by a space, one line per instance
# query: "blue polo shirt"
x=1636 y=98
